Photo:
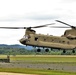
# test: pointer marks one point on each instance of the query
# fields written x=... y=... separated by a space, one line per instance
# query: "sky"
x=26 y=13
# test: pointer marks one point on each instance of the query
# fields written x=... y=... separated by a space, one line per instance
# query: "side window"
x=68 y=42
x=36 y=38
x=44 y=39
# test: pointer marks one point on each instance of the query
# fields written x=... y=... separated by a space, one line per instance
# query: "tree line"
x=22 y=51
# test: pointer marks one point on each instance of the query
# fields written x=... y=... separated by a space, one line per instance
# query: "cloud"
x=42 y=17
x=29 y=17
x=68 y=1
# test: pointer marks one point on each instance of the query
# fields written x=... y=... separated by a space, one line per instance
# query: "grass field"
x=44 y=58
x=36 y=71
x=63 y=61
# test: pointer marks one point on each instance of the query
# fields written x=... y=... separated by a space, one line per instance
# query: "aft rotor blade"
x=43 y=25
x=58 y=27
x=66 y=24
x=63 y=23
x=13 y=27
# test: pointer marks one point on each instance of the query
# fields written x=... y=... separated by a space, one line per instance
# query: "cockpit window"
x=25 y=36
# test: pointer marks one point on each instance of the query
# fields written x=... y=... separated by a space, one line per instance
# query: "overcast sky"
x=25 y=13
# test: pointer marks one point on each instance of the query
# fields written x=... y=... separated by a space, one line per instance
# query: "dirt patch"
x=6 y=73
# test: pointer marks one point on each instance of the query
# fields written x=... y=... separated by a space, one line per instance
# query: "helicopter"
x=65 y=42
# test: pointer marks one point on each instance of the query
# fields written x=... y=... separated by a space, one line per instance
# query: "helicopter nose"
x=22 y=41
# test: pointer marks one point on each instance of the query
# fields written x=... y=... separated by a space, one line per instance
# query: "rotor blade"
x=26 y=27
x=63 y=23
x=13 y=27
x=58 y=27
x=66 y=24
x=43 y=25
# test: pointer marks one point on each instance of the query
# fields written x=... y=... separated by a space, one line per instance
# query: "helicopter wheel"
x=46 y=50
x=64 y=51
x=38 y=50
x=73 y=51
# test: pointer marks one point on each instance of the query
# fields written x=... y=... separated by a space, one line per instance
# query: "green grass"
x=35 y=71
x=40 y=59
x=44 y=58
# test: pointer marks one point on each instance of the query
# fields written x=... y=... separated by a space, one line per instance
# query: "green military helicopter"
x=65 y=42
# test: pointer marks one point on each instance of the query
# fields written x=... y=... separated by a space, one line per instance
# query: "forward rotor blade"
x=26 y=27
x=43 y=25
x=13 y=27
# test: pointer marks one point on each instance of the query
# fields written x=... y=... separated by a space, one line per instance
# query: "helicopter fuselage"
x=39 y=40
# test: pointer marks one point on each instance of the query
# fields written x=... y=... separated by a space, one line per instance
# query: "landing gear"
x=38 y=50
x=68 y=51
x=73 y=51
x=41 y=49
x=64 y=51
x=46 y=50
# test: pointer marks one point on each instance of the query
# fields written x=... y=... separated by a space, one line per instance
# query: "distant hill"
x=16 y=46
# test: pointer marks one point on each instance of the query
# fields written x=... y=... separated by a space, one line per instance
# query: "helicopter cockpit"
x=25 y=36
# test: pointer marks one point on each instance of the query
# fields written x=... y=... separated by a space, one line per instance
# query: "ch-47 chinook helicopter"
x=65 y=42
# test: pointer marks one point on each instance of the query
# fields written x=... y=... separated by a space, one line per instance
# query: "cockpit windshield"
x=25 y=36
